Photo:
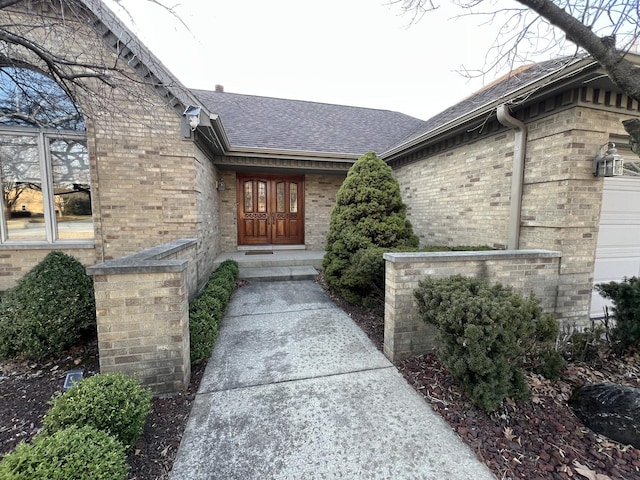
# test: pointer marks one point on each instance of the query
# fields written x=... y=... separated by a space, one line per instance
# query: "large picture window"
x=44 y=162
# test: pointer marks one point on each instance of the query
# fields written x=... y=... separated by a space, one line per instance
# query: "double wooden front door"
x=270 y=210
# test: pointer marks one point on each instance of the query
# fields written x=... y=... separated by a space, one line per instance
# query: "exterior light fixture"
x=609 y=165
x=220 y=185
x=192 y=113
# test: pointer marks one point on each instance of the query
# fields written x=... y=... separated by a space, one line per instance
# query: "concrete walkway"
x=295 y=390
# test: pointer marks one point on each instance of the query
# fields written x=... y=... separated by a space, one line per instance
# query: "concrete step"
x=268 y=274
x=283 y=258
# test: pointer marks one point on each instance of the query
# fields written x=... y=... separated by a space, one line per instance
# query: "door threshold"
x=269 y=248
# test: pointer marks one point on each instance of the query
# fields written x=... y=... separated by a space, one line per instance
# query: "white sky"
x=348 y=52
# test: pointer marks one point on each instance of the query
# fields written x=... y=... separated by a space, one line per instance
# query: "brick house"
x=160 y=163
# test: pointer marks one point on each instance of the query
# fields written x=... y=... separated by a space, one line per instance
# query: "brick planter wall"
x=142 y=309
x=406 y=335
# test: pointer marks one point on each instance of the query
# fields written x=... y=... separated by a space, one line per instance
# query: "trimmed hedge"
x=486 y=333
x=112 y=402
x=207 y=309
x=74 y=453
x=46 y=312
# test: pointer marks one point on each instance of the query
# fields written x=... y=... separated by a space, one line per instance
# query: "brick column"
x=142 y=310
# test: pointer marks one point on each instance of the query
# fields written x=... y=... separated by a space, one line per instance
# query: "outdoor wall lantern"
x=193 y=116
x=609 y=165
x=220 y=185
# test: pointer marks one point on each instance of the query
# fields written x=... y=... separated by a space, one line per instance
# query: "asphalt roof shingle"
x=280 y=124
x=275 y=123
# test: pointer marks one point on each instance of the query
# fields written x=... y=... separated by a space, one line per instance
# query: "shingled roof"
x=275 y=123
x=279 y=124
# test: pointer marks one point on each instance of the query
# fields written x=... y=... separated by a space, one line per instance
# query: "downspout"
x=517 y=177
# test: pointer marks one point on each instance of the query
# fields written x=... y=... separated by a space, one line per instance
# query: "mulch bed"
x=26 y=388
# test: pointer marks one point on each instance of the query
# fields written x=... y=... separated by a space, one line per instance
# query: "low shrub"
x=73 y=453
x=112 y=402
x=486 y=333
x=47 y=311
x=626 y=310
x=207 y=309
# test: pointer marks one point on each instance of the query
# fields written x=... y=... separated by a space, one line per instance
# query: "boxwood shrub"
x=207 y=309
x=73 y=453
x=112 y=402
x=485 y=334
x=46 y=312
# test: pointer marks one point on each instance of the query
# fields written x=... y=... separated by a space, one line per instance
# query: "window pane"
x=248 y=197
x=22 y=188
x=71 y=188
x=280 y=197
x=262 y=197
x=293 y=198
x=29 y=98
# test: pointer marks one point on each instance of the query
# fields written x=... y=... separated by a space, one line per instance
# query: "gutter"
x=517 y=176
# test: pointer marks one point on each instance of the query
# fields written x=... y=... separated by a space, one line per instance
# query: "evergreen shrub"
x=207 y=309
x=48 y=310
x=485 y=335
x=626 y=310
x=73 y=453
x=368 y=214
x=112 y=402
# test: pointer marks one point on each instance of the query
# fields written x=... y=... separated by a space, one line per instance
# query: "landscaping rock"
x=609 y=409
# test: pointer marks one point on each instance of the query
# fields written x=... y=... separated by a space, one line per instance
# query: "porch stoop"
x=267 y=265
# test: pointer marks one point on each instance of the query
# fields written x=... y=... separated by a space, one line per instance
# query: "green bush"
x=626 y=309
x=46 y=312
x=74 y=453
x=485 y=335
x=207 y=309
x=112 y=402
x=368 y=213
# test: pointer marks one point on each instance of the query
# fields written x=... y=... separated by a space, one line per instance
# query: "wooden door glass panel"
x=280 y=204
x=293 y=198
x=262 y=197
x=248 y=196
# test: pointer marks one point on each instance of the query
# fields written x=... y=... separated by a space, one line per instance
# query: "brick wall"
x=406 y=335
x=142 y=311
x=461 y=194
x=320 y=197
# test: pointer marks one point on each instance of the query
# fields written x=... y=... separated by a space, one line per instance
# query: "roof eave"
x=157 y=75
x=239 y=151
x=486 y=109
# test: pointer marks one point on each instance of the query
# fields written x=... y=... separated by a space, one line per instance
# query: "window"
x=44 y=162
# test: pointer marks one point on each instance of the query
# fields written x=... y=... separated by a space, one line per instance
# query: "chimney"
x=219 y=88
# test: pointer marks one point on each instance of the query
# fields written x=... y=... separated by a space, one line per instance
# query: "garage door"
x=618 y=247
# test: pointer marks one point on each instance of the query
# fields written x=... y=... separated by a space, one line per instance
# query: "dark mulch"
x=26 y=388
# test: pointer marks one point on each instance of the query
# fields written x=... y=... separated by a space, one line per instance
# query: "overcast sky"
x=349 y=52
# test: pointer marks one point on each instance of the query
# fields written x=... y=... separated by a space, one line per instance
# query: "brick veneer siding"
x=461 y=193
x=149 y=184
x=406 y=335
x=142 y=310
x=320 y=197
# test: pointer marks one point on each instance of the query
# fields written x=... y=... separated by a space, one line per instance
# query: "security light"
x=609 y=165
x=193 y=116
